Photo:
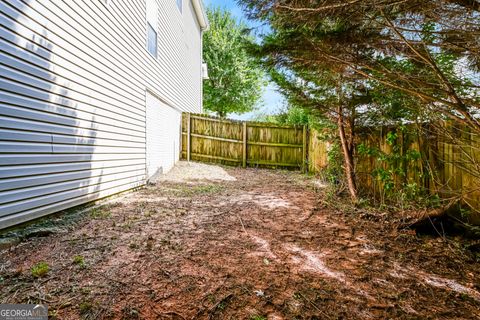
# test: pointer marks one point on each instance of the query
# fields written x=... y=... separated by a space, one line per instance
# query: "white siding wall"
x=73 y=80
x=163 y=137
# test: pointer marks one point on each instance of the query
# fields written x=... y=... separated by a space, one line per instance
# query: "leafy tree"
x=294 y=115
x=236 y=80
x=290 y=115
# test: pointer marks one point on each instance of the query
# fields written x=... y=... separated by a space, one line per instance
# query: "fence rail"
x=243 y=143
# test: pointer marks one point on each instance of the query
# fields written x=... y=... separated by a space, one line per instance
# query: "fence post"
x=244 y=162
x=189 y=130
x=304 y=157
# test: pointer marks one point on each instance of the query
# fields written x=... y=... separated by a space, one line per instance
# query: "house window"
x=152 y=27
x=106 y=3
x=151 y=40
x=179 y=5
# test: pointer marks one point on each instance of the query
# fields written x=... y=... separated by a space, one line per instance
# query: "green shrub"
x=40 y=269
x=79 y=261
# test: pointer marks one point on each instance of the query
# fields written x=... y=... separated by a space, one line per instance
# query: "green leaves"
x=391 y=138
x=392 y=163
x=236 y=79
x=419 y=58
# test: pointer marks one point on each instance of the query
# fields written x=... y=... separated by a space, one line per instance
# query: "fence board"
x=449 y=164
x=243 y=143
x=317 y=149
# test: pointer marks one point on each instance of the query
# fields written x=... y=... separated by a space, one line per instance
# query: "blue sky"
x=272 y=101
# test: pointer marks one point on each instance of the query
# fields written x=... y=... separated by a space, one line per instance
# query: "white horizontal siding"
x=73 y=79
x=83 y=120
x=47 y=179
x=163 y=137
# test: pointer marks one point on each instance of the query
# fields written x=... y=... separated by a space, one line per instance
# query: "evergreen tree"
x=427 y=49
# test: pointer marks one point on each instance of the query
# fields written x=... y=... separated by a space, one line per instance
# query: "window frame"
x=106 y=3
x=179 y=5
x=150 y=29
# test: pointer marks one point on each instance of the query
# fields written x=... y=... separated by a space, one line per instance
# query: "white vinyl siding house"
x=86 y=110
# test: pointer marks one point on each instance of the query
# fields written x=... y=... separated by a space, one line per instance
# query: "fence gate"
x=211 y=139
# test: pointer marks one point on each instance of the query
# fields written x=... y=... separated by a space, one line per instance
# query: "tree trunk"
x=347 y=148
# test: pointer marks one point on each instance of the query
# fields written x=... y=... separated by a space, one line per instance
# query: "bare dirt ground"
x=240 y=244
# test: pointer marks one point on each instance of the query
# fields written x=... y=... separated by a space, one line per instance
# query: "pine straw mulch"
x=262 y=247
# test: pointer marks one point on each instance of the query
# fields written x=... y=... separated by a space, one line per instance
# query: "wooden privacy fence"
x=443 y=158
x=447 y=162
x=212 y=139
